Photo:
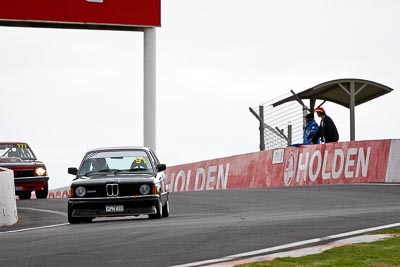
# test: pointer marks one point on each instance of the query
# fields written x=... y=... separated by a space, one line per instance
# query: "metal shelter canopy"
x=346 y=92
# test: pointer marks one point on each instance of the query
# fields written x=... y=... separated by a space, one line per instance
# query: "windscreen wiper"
x=99 y=171
x=131 y=170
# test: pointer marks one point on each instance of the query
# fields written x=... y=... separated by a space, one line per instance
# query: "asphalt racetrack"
x=203 y=225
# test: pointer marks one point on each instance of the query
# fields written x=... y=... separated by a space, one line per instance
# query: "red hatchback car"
x=29 y=173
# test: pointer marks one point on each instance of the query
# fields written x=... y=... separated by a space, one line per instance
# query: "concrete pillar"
x=149 y=94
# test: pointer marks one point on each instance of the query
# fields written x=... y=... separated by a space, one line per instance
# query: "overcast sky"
x=67 y=91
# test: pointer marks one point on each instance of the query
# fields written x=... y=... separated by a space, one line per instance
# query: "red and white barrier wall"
x=59 y=193
x=8 y=205
x=334 y=163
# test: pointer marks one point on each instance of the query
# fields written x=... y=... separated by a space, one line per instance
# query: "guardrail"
x=8 y=205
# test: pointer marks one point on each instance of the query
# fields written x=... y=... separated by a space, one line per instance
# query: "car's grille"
x=23 y=173
x=95 y=190
x=107 y=190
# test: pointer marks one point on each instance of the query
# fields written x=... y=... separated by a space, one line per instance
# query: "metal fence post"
x=289 y=130
x=262 y=128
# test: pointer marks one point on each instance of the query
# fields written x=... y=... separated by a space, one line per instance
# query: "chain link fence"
x=280 y=126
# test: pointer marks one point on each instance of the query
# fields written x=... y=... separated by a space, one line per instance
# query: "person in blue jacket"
x=310 y=131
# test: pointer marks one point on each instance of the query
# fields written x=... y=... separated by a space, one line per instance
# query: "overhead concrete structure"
x=122 y=15
x=345 y=92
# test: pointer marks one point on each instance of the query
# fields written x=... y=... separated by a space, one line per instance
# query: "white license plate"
x=115 y=208
x=19 y=188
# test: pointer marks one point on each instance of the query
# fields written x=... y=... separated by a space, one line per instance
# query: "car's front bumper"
x=96 y=207
x=30 y=183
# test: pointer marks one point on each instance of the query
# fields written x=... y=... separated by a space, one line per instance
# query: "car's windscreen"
x=21 y=151
x=117 y=162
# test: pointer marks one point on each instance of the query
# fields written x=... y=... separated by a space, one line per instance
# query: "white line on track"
x=33 y=228
x=287 y=246
x=40 y=227
x=48 y=211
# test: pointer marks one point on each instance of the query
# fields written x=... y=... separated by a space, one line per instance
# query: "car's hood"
x=110 y=178
x=12 y=163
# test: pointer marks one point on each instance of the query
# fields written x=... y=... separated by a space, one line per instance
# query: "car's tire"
x=42 y=193
x=72 y=220
x=165 y=209
x=159 y=213
x=87 y=219
x=25 y=195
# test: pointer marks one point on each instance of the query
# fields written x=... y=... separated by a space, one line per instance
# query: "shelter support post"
x=352 y=111
x=149 y=88
x=352 y=103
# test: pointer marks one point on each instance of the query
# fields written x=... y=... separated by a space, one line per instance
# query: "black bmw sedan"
x=120 y=181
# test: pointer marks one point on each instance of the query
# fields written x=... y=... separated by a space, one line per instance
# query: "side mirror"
x=73 y=171
x=161 y=167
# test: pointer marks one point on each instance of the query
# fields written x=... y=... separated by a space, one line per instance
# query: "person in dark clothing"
x=327 y=128
x=310 y=131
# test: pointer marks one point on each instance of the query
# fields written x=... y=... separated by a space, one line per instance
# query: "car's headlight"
x=144 y=189
x=80 y=191
x=40 y=171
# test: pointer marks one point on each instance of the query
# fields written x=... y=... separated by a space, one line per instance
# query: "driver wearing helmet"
x=99 y=164
x=139 y=164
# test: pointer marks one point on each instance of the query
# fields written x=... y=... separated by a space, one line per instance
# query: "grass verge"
x=384 y=253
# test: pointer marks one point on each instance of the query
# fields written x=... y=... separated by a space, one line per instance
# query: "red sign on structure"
x=84 y=14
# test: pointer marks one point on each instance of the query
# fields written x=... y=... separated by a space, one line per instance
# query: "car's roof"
x=119 y=148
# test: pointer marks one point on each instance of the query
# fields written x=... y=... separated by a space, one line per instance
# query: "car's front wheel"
x=72 y=220
x=165 y=209
x=42 y=193
x=159 y=213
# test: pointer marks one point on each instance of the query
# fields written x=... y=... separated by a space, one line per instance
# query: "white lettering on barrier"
x=314 y=176
x=338 y=153
x=188 y=180
x=200 y=173
x=204 y=180
x=222 y=177
x=180 y=175
x=302 y=166
x=363 y=162
x=349 y=163
x=211 y=179
x=311 y=167
x=325 y=175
